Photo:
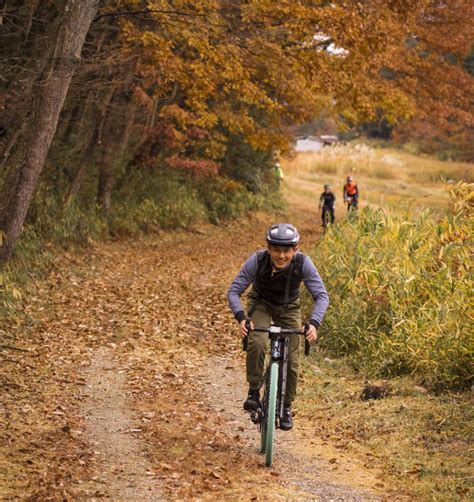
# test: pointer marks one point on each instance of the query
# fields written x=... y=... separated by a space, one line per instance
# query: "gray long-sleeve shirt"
x=311 y=278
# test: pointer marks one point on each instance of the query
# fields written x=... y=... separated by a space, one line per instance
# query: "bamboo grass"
x=401 y=289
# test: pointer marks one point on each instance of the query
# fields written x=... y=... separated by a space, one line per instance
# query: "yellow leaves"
x=176 y=113
x=215 y=149
x=273 y=57
x=206 y=118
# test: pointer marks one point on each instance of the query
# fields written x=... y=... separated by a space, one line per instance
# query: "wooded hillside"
x=103 y=104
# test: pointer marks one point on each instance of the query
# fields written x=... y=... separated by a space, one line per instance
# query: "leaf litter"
x=152 y=317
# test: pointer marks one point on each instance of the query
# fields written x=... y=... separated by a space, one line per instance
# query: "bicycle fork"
x=279 y=352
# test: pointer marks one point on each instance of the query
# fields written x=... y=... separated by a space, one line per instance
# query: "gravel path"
x=122 y=472
x=302 y=469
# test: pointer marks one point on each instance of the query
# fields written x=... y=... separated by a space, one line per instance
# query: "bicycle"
x=351 y=203
x=326 y=216
x=267 y=417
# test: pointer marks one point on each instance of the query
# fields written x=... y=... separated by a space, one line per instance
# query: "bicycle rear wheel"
x=327 y=217
x=268 y=425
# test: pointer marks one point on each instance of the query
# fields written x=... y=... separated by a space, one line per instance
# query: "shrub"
x=401 y=289
x=146 y=202
x=50 y=221
x=173 y=199
x=253 y=168
x=227 y=199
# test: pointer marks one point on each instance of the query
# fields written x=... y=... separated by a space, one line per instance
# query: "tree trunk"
x=127 y=131
x=91 y=97
x=71 y=121
x=114 y=154
x=115 y=146
x=157 y=106
x=85 y=161
x=106 y=180
x=9 y=146
x=94 y=139
x=26 y=163
x=33 y=7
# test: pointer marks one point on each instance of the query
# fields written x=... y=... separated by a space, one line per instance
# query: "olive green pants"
x=263 y=313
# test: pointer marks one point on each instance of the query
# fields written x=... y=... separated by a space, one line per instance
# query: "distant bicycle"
x=327 y=202
x=267 y=417
x=326 y=217
x=350 y=194
x=352 y=203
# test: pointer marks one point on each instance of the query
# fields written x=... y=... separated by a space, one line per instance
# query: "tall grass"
x=401 y=292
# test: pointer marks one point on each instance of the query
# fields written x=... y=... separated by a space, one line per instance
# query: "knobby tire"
x=268 y=430
x=263 y=423
x=327 y=218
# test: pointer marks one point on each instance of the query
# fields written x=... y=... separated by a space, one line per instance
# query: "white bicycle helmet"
x=283 y=234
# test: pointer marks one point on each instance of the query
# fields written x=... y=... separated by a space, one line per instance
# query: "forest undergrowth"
x=144 y=205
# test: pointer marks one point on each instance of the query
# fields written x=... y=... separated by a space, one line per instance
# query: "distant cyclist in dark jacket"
x=275 y=275
x=327 y=201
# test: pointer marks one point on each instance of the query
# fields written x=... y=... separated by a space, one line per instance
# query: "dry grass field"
x=386 y=177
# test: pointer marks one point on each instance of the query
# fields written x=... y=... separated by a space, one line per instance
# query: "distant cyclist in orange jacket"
x=351 y=193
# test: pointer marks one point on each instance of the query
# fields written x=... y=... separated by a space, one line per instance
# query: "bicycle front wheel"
x=268 y=428
x=326 y=217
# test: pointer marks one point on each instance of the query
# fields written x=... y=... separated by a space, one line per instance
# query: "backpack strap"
x=286 y=300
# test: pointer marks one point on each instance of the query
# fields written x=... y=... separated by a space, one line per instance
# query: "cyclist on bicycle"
x=279 y=176
x=351 y=192
x=276 y=275
x=327 y=201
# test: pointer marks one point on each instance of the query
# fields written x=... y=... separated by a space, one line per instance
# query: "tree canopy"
x=173 y=83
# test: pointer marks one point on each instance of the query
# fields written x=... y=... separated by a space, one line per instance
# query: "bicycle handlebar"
x=277 y=330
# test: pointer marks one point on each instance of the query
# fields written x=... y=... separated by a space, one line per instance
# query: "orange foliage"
x=254 y=68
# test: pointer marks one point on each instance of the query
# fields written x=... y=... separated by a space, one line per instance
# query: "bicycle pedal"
x=255 y=416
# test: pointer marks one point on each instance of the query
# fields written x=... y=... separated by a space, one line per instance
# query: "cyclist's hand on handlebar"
x=312 y=334
x=243 y=327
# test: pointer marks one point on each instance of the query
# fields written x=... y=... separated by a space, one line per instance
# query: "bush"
x=147 y=202
x=400 y=290
x=227 y=199
x=50 y=221
x=176 y=199
x=253 y=168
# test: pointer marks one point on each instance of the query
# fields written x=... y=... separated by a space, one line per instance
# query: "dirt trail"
x=122 y=471
x=200 y=443
x=304 y=465
x=148 y=374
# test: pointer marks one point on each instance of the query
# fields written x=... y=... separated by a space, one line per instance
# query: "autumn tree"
x=435 y=73
x=66 y=37
x=189 y=85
